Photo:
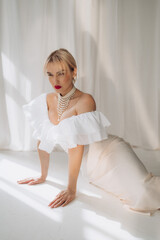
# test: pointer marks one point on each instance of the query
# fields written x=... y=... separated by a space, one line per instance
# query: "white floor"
x=93 y=215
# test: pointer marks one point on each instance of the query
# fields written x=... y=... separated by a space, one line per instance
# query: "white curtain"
x=117 y=47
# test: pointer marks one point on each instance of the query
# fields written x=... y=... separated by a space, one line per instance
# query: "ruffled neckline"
x=81 y=129
x=69 y=118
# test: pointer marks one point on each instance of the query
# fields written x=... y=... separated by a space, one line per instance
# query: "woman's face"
x=60 y=77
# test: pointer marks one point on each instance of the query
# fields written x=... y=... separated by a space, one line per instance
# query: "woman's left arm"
x=74 y=163
x=75 y=159
x=75 y=155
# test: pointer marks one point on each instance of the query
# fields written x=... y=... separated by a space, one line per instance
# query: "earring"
x=74 y=79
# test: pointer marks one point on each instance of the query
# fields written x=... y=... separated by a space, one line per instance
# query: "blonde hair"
x=62 y=55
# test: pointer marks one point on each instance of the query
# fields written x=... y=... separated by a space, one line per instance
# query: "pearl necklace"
x=63 y=101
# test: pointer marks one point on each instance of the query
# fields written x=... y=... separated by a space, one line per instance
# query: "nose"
x=56 y=83
x=54 y=80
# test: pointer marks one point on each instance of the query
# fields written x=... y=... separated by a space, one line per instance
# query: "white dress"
x=108 y=161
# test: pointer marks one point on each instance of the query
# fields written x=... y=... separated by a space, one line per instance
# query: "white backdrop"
x=117 y=47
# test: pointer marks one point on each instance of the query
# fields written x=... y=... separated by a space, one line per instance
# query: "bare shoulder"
x=86 y=103
x=51 y=95
x=50 y=98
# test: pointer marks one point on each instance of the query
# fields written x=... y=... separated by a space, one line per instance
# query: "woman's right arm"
x=44 y=161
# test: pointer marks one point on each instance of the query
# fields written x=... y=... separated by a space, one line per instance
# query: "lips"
x=57 y=87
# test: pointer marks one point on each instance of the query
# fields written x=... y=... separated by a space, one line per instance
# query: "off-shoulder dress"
x=108 y=162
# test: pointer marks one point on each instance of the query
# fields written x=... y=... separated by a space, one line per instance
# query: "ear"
x=74 y=72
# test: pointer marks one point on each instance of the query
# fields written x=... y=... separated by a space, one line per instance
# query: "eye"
x=61 y=74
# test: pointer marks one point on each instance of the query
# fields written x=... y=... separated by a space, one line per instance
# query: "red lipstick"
x=57 y=87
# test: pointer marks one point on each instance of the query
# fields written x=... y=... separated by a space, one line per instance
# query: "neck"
x=67 y=91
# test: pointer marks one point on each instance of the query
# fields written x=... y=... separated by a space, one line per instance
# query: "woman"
x=68 y=118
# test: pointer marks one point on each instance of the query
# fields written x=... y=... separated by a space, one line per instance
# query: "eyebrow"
x=58 y=71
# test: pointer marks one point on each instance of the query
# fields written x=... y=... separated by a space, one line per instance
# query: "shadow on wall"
x=4 y=126
x=93 y=74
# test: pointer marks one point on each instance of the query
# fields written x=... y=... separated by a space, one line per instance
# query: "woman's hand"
x=32 y=181
x=63 y=198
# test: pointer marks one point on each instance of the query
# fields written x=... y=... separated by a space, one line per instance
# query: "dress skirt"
x=112 y=165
